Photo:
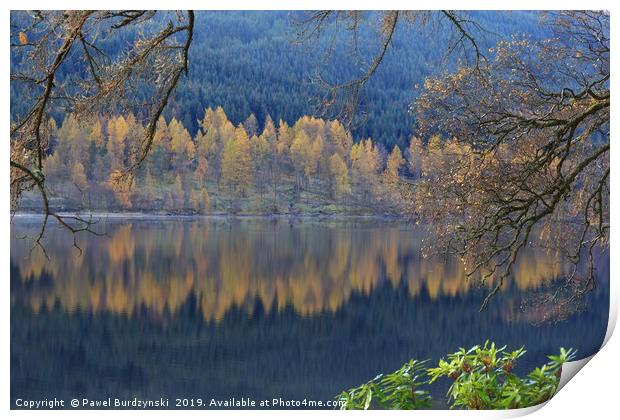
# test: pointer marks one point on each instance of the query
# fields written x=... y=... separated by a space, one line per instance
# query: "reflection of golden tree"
x=121 y=245
x=311 y=267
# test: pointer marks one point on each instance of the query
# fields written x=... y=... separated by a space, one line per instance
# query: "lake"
x=262 y=308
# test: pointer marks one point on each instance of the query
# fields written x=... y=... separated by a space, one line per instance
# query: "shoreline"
x=215 y=216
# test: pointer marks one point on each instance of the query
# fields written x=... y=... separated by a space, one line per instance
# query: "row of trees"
x=311 y=166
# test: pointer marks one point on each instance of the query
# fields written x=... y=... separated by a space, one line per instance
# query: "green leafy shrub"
x=398 y=390
x=483 y=378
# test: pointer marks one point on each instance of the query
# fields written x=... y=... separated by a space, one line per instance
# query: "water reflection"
x=311 y=266
x=258 y=308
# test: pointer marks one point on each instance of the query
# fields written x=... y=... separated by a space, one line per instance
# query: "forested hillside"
x=251 y=63
x=310 y=167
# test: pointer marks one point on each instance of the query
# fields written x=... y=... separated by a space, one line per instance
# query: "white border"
x=591 y=396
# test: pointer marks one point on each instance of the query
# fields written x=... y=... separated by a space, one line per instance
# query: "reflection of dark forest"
x=259 y=347
x=282 y=354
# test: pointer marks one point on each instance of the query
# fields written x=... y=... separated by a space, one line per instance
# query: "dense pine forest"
x=252 y=62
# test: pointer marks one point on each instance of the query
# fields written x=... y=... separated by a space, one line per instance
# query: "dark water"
x=262 y=309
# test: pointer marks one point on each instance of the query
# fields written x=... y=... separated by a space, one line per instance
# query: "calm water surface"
x=217 y=308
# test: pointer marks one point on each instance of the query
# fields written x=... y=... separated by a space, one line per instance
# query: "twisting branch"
x=344 y=97
x=43 y=44
x=168 y=90
x=464 y=35
x=533 y=161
